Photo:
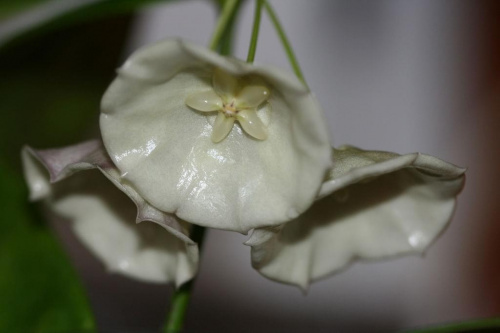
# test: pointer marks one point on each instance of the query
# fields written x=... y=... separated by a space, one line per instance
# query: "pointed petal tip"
x=216 y=139
x=252 y=124
x=222 y=127
x=250 y=242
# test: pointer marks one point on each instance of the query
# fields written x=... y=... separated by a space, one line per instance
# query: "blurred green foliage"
x=9 y=8
x=491 y=325
x=73 y=13
x=40 y=292
x=51 y=89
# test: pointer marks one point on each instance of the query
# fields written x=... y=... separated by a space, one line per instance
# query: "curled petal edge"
x=352 y=165
x=334 y=232
x=64 y=162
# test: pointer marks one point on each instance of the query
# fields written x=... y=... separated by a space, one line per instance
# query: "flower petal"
x=252 y=124
x=204 y=101
x=252 y=97
x=225 y=84
x=222 y=126
x=164 y=151
x=103 y=217
x=379 y=205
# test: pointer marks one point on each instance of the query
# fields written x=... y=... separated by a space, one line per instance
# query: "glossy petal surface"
x=375 y=205
x=222 y=126
x=205 y=101
x=252 y=124
x=163 y=148
x=252 y=96
x=103 y=217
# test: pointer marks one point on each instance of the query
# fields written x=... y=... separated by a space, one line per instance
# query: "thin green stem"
x=225 y=46
x=255 y=31
x=228 y=11
x=181 y=297
x=284 y=40
x=179 y=304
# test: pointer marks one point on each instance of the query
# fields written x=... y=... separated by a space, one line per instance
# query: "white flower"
x=158 y=130
x=373 y=205
x=174 y=161
x=195 y=138
x=105 y=220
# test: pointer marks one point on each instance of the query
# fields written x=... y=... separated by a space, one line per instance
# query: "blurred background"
x=401 y=76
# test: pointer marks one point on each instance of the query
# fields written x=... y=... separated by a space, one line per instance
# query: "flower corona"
x=234 y=101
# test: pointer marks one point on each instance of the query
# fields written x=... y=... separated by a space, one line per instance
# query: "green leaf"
x=39 y=288
x=476 y=326
x=46 y=16
x=8 y=8
x=51 y=90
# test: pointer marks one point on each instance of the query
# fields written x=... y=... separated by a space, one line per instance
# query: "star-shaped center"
x=229 y=109
x=233 y=101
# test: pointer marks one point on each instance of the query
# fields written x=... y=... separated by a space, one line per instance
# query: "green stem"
x=225 y=46
x=255 y=31
x=284 y=40
x=179 y=304
x=228 y=11
x=181 y=297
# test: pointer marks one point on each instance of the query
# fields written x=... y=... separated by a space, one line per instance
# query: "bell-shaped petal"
x=375 y=205
x=163 y=149
x=205 y=101
x=103 y=217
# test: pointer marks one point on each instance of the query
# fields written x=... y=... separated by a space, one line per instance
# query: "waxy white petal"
x=104 y=218
x=376 y=205
x=222 y=126
x=225 y=84
x=205 y=101
x=252 y=124
x=163 y=149
x=251 y=97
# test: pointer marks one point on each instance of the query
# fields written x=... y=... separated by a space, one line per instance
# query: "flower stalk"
x=284 y=40
x=181 y=296
x=255 y=31
x=225 y=19
x=226 y=45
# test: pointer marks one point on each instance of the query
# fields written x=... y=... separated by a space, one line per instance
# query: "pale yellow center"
x=229 y=109
x=234 y=99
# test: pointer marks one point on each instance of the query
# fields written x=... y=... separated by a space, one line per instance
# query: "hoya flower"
x=191 y=137
x=373 y=205
x=103 y=215
x=219 y=142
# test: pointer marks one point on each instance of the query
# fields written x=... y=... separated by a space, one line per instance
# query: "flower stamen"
x=229 y=109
